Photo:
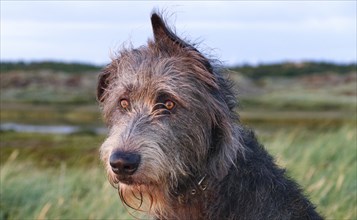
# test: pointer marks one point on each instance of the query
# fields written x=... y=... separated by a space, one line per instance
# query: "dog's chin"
x=126 y=180
x=117 y=179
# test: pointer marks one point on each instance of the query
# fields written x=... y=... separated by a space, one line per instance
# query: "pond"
x=50 y=129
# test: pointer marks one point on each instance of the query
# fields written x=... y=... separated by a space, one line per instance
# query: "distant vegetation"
x=255 y=72
x=306 y=86
x=54 y=66
x=294 y=69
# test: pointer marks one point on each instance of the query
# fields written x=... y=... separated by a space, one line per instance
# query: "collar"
x=200 y=187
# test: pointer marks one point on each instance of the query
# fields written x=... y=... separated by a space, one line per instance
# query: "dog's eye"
x=169 y=105
x=124 y=103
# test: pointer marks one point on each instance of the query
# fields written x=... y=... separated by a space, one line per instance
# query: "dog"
x=176 y=148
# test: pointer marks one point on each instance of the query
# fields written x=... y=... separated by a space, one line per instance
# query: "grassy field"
x=307 y=122
x=60 y=176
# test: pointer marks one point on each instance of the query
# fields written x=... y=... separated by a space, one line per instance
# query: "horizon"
x=225 y=66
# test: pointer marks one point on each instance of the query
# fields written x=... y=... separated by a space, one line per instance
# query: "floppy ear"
x=165 y=37
x=102 y=85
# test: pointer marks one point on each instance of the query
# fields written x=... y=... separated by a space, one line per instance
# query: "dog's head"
x=170 y=112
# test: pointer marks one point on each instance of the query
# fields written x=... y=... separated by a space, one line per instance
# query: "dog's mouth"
x=126 y=180
x=121 y=179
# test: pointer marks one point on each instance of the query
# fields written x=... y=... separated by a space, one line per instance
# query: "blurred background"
x=294 y=64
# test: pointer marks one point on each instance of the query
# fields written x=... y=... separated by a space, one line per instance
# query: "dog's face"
x=152 y=112
x=165 y=111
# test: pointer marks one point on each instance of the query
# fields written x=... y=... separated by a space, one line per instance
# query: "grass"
x=60 y=177
x=50 y=114
x=43 y=150
x=58 y=192
x=55 y=177
x=324 y=162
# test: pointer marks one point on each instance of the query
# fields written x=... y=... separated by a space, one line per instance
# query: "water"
x=49 y=129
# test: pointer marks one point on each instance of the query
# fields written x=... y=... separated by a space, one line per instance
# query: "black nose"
x=124 y=163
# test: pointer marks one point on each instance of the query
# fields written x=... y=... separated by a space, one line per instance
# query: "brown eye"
x=169 y=105
x=124 y=103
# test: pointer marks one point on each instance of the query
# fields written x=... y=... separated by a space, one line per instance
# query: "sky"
x=236 y=32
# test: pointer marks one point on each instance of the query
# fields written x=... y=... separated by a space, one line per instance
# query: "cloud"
x=242 y=30
x=330 y=24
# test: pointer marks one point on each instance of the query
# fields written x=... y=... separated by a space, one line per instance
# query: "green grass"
x=325 y=164
x=43 y=150
x=44 y=114
x=60 y=177
x=58 y=192
x=55 y=177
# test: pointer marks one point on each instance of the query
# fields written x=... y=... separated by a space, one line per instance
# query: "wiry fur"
x=200 y=139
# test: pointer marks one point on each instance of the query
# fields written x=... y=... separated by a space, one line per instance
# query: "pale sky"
x=237 y=32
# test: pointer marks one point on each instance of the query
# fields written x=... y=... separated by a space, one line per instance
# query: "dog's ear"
x=164 y=36
x=102 y=85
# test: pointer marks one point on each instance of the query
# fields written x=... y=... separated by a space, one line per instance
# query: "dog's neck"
x=190 y=202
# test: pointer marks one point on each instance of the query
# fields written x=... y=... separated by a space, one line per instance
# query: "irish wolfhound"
x=176 y=148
